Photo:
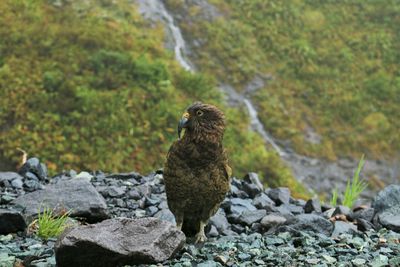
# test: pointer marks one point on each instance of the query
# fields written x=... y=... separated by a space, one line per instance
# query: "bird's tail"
x=190 y=227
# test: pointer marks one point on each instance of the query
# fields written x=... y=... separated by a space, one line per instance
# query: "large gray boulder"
x=387 y=198
x=387 y=208
x=118 y=242
x=77 y=196
x=11 y=221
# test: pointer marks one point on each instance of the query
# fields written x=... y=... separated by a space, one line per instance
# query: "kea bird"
x=196 y=172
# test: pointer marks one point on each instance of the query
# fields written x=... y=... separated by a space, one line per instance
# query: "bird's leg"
x=179 y=221
x=200 y=236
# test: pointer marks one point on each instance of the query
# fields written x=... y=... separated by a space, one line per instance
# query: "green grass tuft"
x=355 y=187
x=51 y=225
x=334 y=198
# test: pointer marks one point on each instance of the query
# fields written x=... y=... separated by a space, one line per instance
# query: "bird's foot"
x=200 y=238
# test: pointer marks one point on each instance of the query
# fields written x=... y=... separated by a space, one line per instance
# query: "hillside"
x=332 y=68
x=90 y=86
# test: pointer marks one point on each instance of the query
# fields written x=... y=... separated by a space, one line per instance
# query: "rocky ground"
x=255 y=226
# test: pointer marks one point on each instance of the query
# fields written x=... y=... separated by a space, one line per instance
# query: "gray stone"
x=365 y=214
x=252 y=185
x=238 y=205
x=390 y=218
x=328 y=213
x=150 y=211
x=387 y=198
x=33 y=165
x=283 y=210
x=144 y=190
x=165 y=215
x=11 y=221
x=312 y=223
x=280 y=195
x=252 y=178
x=31 y=176
x=297 y=202
x=272 y=220
x=84 y=175
x=219 y=220
x=364 y=225
x=9 y=176
x=249 y=217
x=118 y=242
x=77 y=196
x=343 y=228
x=133 y=194
x=213 y=232
x=115 y=191
x=17 y=183
x=342 y=210
x=262 y=201
x=236 y=192
x=251 y=189
x=7 y=260
x=312 y=205
x=32 y=185
x=128 y=175
x=294 y=209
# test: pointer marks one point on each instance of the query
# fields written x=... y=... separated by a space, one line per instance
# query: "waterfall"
x=319 y=174
x=155 y=9
x=259 y=127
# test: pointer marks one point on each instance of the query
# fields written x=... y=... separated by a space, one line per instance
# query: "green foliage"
x=50 y=225
x=354 y=187
x=89 y=85
x=333 y=63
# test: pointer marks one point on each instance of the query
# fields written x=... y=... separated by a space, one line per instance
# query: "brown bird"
x=196 y=173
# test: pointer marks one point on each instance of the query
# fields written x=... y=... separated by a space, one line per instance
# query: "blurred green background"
x=90 y=85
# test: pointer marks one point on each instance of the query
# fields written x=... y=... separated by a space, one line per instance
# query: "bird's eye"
x=199 y=113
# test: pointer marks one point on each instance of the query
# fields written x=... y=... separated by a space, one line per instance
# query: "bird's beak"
x=183 y=123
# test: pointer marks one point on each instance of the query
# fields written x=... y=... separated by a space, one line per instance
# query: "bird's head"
x=202 y=122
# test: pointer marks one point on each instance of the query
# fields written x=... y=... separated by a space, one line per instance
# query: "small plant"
x=333 y=201
x=356 y=187
x=50 y=225
x=353 y=190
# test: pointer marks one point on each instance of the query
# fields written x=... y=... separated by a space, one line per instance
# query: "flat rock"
x=341 y=227
x=119 y=242
x=238 y=205
x=77 y=195
x=11 y=221
x=280 y=195
x=251 y=216
x=272 y=220
x=311 y=222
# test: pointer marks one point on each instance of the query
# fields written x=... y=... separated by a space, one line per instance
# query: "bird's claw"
x=200 y=238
